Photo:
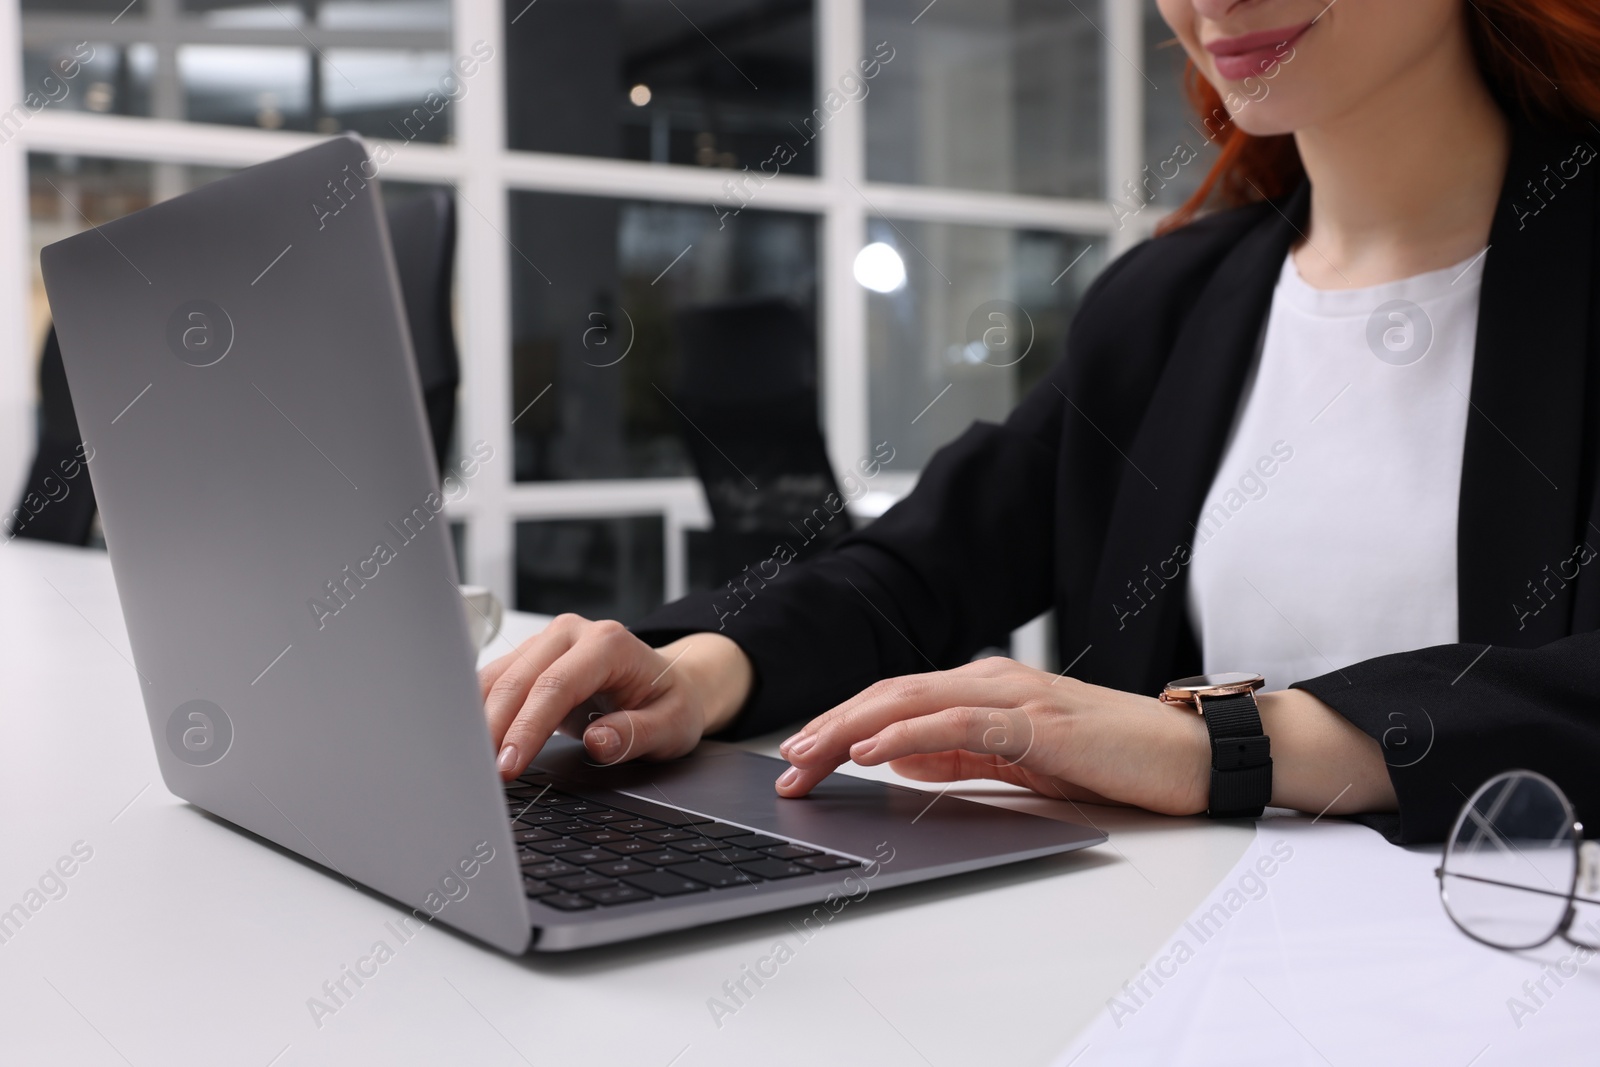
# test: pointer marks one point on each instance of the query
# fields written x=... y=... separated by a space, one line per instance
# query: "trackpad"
x=844 y=813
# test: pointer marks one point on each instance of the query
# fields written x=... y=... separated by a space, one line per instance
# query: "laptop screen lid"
x=243 y=377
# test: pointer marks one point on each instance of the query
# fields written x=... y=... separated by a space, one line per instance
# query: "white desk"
x=182 y=941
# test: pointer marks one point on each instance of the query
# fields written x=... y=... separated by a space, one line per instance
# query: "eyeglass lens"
x=1509 y=867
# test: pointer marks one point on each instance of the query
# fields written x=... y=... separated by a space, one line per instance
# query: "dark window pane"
x=396 y=95
x=599 y=568
x=404 y=96
x=236 y=85
x=977 y=322
x=85 y=76
x=329 y=14
x=979 y=95
x=80 y=7
x=385 y=14
x=713 y=83
x=600 y=288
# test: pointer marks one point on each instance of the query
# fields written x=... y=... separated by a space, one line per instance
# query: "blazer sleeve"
x=1450 y=717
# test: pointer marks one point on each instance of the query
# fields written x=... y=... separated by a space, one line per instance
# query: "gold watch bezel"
x=1189 y=690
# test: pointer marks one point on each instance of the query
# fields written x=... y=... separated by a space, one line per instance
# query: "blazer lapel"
x=1137 y=614
x=1521 y=491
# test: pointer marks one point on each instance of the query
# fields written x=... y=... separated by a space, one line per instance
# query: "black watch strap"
x=1241 y=756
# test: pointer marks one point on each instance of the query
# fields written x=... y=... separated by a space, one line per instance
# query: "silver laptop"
x=240 y=365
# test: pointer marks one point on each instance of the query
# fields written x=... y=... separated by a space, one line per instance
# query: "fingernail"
x=602 y=737
x=508 y=759
x=803 y=745
x=862 y=749
x=788 y=777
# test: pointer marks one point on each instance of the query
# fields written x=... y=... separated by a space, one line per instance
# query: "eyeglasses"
x=1516 y=863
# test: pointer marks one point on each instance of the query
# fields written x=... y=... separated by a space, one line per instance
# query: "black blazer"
x=1084 y=501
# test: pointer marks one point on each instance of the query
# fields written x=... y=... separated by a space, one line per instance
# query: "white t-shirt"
x=1329 y=533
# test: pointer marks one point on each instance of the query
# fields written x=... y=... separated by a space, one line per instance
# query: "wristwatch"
x=1241 y=753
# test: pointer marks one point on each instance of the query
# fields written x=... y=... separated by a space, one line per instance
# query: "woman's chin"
x=1258 y=120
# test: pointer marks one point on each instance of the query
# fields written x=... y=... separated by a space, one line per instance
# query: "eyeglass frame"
x=1585 y=868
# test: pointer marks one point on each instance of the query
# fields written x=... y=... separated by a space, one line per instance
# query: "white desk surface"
x=182 y=941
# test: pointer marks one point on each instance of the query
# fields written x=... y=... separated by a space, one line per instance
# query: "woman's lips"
x=1253 y=53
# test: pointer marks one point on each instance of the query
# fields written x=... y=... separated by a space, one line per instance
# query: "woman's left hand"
x=995 y=718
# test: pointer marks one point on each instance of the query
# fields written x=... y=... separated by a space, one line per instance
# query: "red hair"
x=1539 y=56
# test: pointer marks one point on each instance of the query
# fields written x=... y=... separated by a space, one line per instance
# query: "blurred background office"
x=686 y=266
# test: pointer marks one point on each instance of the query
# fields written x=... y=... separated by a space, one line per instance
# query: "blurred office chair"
x=747 y=391
x=57 y=501
x=59 y=507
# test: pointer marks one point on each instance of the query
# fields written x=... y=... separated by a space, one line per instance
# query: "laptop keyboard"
x=578 y=854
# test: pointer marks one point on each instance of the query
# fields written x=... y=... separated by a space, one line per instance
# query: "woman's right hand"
x=626 y=700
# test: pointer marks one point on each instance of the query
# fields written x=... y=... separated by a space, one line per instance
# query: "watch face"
x=1229 y=679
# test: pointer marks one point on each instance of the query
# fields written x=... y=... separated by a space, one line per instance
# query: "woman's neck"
x=1409 y=181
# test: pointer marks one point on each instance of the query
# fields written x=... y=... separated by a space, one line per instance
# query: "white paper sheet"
x=1326 y=945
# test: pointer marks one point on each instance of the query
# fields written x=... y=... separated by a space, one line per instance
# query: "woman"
x=1341 y=433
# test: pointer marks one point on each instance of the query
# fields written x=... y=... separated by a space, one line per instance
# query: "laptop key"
x=617 y=868
x=540 y=817
x=715 y=875
x=603 y=837
x=586 y=880
x=754 y=841
x=589 y=856
x=789 y=852
x=664 y=836
x=636 y=826
x=721 y=830
x=726 y=853
x=534 y=887
x=661 y=813
x=664 y=883
x=528 y=857
x=770 y=868
x=826 y=862
x=697 y=844
x=567 y=829
x=605 y=816
x=616 y=894
x=560 y=844
x=632 y=846
x=566 y=901
x=581 y=807
x=551 y=869
x=663 y=858
x=532 y=834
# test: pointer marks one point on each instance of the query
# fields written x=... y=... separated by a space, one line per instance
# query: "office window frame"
x=484 y=173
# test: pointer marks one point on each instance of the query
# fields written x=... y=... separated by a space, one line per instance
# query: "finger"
x=505 y=693
x=492 y=671
x=606 y=658
x=1006 y=734
x=971 y=728
x=985 y=676
x=829 y=738
x=657 y=732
